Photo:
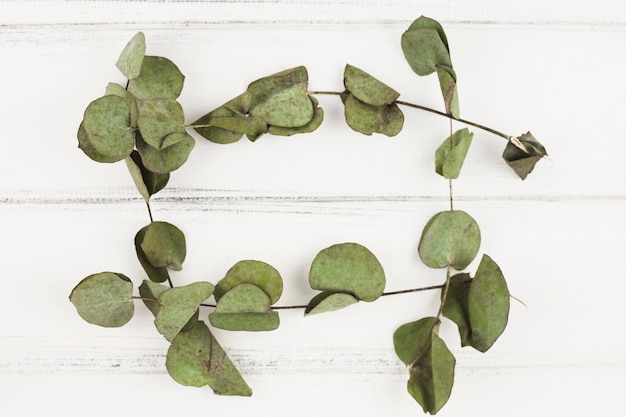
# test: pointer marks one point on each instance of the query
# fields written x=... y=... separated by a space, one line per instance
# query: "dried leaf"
x=104 y=299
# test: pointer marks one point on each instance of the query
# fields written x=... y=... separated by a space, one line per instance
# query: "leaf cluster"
x=144 y=125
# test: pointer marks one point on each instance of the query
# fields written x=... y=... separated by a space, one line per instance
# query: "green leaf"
x=129 y=62
x=85 y=145
x=424 y=49
x=367 y=88
x=316 y=121
x=430 y=363
x=195 y=358
x=156 y=274
x=449 y=238
x=329 y=301
x=282 y=99
x=262 y=275
x=367 y=119
x=178 y=305
x=150 y=293
x=456 y=306
x=175 y=151
x=251 y=126
x=450 y=156
x=107 y=124
x=237 y=107
x=522 y=153
x=447 y=82
x=158 y=119
x=104 y=299
x=164 y=245
x=489 y=302
x=147 y=182
x=244 y=307
x=424 y=22
x=159 y=78
x=348 y=268
x=117 y=90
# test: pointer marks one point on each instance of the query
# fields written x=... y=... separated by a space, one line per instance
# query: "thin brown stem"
x=430 y=110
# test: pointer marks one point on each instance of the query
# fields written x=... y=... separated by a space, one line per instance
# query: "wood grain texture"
x=552 y=67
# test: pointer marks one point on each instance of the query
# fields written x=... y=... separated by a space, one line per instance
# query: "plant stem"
x=430 y=110
x=149 y=212
x=408 y=291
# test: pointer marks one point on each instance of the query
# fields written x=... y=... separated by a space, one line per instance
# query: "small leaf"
x=175 y=151
x=156 y=274
x=150 y=293
x=117 y=90
x=367 y=119
x=158 y=79
x=164 y=245
x=425 y=50
x=450 y=156
x=195 y=358
x=262 y=275
x=85 y=145
x=244 y=307
x=329 y=301
x=147 y=182
x=316 y=121
x=367 y=88
x=251 y=126
x=431 y=364
x=522 y=153
x=456 y=306
x=237 y=107
x=449 y=238
x=489 y=302
x=129 y=62
x=424 y=22
x=107 y=124
x=348 y=268
x=178 y=305
x=104 y=299
x=158 y=119
x=282 y=99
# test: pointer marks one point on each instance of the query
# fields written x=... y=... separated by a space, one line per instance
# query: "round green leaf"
x=254 y=272
x=329 y=301
x=450 y=156
x=107 y=123
x=424 y=50
x=244 y=307
x=449 y=238
x=367 y=88
x=195 y=358
x=129 y=62
x=424 y=22
x=159 y=118
x=173 y=155
x=164 y=245
x=159 y=78
x=368 y=119
x=178 y=305
x=217 y=134
x=348 y=268
x=282 y=98
x=85 y=145
x=316 y=121
x=117 y=90
x=156 y=274
x=104 y=299
x=489 y=302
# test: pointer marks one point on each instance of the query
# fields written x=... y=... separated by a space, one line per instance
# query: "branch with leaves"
x=143 y=124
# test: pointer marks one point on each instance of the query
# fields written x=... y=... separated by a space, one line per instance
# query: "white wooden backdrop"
x=553 y=67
